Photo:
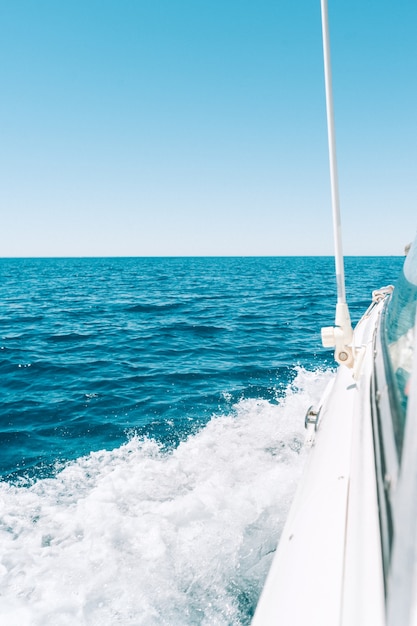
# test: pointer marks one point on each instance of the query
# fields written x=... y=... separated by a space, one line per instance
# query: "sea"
x=152 y=429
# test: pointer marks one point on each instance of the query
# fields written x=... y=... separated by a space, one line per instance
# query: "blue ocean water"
x=151 y=429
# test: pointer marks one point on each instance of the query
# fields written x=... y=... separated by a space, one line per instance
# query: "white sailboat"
x=348 y=553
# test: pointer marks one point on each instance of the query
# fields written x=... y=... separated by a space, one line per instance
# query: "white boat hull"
x=328 y=570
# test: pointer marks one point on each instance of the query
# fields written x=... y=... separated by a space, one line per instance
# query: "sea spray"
x=139 y=535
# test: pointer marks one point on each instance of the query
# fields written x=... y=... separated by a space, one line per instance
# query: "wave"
x=64 y=337
x=154 y=308
x=139 y=535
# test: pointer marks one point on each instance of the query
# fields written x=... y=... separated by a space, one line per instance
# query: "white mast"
x=341 y=335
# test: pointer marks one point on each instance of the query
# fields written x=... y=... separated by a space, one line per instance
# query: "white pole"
x=341 y=335
x=337 y=229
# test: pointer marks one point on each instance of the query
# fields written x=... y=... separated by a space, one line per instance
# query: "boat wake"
x=139 y=535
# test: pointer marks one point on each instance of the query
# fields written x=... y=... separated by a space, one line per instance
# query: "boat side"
x=328 y=567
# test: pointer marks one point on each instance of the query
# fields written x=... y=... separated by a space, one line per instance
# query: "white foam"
x=139 y=536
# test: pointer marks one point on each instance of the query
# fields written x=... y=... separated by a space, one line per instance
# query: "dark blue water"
x=106 y=354
x=93 y=348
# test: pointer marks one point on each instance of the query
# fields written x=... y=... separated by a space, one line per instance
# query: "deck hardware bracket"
x=311 y=417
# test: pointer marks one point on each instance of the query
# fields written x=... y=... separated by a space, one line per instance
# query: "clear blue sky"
x=190 y=127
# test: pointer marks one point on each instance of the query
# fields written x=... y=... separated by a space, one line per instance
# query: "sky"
x=190 y=127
